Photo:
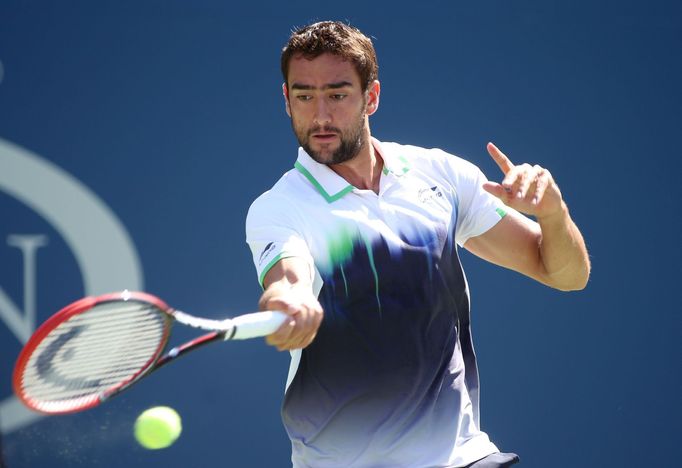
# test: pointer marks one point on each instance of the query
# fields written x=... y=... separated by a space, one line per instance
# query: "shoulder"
x=432 y=159
x=290 y=202
x=278 y=199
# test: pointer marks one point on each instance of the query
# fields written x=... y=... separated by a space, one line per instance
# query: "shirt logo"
x=268 y=248
x=428 y=194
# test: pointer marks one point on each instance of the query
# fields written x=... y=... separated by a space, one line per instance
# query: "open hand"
x=528 y=189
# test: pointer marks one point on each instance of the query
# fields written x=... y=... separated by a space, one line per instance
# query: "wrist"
x=557 y=216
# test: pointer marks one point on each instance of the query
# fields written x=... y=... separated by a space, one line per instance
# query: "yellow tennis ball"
x=158 y=427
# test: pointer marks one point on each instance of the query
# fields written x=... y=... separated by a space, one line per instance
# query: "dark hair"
x=335 y=38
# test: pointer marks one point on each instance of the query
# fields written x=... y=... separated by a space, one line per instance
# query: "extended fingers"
x=502 y=161
x=517 y=181
x=528 y=189
x=526 y=183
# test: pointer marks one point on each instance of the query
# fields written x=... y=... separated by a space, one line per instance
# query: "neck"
x=364 y=170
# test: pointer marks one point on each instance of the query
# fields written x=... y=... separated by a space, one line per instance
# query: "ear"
x=373 y=92
x=285 y=92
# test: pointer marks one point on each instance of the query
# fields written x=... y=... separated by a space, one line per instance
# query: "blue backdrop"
x=163 y=120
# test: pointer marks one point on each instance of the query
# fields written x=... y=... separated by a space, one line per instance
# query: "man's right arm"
x=289 y=288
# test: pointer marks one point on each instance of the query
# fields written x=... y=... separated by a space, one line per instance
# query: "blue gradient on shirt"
x=384 y=376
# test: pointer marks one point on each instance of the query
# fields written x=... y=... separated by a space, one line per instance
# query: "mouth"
x=324 y=137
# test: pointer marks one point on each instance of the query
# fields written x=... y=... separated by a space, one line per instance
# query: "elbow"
x=577 y=282
x=576 y=286
x=582 y=284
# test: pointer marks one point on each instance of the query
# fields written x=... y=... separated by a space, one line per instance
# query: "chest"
x=407 y=213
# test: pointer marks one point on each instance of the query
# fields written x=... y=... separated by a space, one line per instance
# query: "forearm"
x=289 y=277
x=562 y=252
x=288 y=288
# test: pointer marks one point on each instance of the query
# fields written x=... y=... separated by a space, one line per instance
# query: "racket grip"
x=257 y=324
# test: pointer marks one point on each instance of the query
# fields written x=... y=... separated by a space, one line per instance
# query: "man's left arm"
x=551 y=249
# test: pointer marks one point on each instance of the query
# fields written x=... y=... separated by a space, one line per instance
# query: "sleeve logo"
x=266 y=251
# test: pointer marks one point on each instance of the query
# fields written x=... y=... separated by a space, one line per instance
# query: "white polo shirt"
x=391 y=378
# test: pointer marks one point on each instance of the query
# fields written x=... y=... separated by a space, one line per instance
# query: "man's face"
x=327 y=107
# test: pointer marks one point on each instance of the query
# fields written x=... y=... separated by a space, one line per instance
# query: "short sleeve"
x=477 y=210
x=272 y=234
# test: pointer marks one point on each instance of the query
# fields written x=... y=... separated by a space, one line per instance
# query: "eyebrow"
x=337 y=85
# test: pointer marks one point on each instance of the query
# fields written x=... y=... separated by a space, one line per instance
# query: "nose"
x=323 y=115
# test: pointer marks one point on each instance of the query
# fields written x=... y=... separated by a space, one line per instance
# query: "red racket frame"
x=79 y=307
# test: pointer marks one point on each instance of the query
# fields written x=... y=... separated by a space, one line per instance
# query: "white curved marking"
x=101 y=245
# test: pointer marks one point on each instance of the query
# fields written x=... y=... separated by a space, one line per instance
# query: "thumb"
x=496 y=189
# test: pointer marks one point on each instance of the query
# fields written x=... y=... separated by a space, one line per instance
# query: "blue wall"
x=172 y=116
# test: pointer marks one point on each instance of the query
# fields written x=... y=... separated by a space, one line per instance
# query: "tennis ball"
x=157 y=427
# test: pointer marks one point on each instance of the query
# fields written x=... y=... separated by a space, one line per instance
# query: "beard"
x=352 y=140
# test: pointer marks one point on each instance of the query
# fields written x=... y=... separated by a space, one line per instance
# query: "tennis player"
x=365 y=234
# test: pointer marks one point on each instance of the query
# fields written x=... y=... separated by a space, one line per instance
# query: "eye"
x=338 y=97
x=303 y=97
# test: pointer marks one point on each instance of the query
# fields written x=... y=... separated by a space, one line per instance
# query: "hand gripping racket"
x=99 y=346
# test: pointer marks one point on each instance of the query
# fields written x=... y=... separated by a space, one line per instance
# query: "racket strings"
x=94 y=351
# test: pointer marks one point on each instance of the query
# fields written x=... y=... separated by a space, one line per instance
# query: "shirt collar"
x=394 y=162
x=331 y=185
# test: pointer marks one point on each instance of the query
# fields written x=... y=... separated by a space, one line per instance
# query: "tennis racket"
x=99 y=346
